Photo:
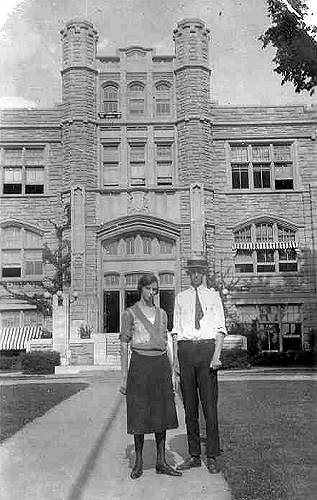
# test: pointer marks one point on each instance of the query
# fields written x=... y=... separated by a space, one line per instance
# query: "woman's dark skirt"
x=150 y=397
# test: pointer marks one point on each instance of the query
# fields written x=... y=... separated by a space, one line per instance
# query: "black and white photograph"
x=158 y=249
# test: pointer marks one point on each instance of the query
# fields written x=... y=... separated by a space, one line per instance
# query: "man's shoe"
x=167 y=470
x=212 y=465
x=189 y=463
x=137 y=471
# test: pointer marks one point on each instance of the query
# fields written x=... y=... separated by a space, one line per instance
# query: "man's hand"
x=215 y=363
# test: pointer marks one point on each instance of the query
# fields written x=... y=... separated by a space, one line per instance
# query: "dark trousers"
x=197 y=377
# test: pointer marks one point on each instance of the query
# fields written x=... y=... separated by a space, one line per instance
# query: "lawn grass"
x=269 y=439
x=20 y=404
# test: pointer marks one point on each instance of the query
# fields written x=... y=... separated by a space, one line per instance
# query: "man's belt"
x=197 y=341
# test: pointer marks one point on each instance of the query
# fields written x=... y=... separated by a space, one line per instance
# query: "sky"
x=242 y=73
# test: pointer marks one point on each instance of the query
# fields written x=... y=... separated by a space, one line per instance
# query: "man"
x=199 y=328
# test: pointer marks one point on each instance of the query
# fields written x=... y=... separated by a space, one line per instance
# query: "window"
x=147 y=245
x=279 y=326
x=111 y=280
x=163 y=99
x=265 y=247
x=136 y=99
x=130 y=247
x=110 y=163
x=110 y=99
x=21 y=254
x=137 y=164
x=23 y=170
x=166 y=247
x=164 y=164
x=261 y=166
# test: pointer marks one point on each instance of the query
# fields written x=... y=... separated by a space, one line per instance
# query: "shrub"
x=235 y=359
x=40 y=361
x=9 y=361
x=287 y=358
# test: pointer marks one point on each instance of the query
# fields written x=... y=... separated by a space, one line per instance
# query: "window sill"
x=22 y=196
x=263 y=191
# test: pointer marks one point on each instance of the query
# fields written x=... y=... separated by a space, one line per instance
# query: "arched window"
x=21 y=254
x=110 y=99
x=136 y=98
x=265 y=247
x=163 y=99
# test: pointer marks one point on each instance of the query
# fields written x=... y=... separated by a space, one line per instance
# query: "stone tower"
x=79 y=140
x=192 y=76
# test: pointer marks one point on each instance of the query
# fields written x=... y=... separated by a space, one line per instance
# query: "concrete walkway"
x=79 y=450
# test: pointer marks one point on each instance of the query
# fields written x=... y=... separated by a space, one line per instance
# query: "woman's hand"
x=123 y=390
x=123 y=386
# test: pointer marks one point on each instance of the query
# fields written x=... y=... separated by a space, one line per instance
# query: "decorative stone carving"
x=138 y=202
x=197 y=226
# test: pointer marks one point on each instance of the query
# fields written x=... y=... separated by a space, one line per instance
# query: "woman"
x=148 y=383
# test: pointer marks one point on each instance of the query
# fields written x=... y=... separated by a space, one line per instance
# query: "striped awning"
x=264 y=245
x=15 y=338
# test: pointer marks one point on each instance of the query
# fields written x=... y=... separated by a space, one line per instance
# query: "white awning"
x=264 y=245
x=15 y=338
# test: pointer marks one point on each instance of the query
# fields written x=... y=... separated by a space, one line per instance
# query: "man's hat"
x=197 y=263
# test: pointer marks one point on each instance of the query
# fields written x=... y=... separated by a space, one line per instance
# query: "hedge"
x=235 y=359
x=287 y=358
x=10 y=361
x=40 y=362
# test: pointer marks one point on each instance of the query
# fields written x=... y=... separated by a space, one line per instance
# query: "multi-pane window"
x=110 y=99
x=21 y=254
x=138 y=244
x=164 y=164
x=137 y=164
x=14 y=318
x=262 y=166
x=23 y=170
x=279 y=326
x=110 y=162
x=163 y=99
x=265 y=248
x=136 y=99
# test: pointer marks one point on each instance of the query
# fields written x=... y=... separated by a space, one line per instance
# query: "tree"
x=296 y=48
x=60 y=260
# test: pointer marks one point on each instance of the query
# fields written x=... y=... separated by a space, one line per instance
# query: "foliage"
x=40 y=361
x=296 y=49
x=287 y=358
x=235 y=359
x=85 y=331
x=60 y=260
x=10 y=362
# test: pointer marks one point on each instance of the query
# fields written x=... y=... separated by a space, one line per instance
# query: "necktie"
x=199 y=314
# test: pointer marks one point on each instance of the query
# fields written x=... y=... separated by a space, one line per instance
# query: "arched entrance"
x=130 y=247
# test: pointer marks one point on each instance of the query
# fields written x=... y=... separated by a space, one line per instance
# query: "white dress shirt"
x=213 y=321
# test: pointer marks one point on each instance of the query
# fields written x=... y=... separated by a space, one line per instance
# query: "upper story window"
x=262 y=166
x=137 y=164
x=138 y=244
x=22 y=170
x=266 y=247
x=164 y=164
x=163 y=99
x=110 y=164
x=136 y=99
x=110 y=98
x=21 y=254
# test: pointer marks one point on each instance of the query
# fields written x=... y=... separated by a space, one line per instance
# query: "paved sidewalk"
x=79 y=450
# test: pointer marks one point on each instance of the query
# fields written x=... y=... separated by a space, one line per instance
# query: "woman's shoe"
x=167 y=470
x=137 y=471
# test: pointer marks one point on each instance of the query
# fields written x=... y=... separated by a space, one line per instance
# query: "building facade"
x=153 y=172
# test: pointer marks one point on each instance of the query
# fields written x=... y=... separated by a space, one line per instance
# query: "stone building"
x=154 y=172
